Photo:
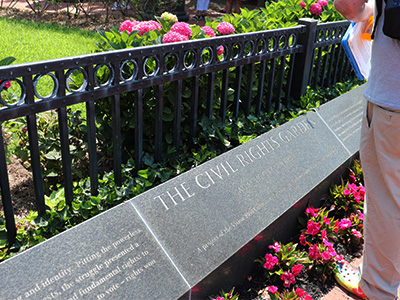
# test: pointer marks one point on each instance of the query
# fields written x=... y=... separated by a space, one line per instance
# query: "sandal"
x=198 y=18
x=349 y=278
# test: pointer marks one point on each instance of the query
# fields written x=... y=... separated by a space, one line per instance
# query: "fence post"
x=304 y=60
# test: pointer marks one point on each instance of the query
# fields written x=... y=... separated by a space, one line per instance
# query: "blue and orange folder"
x=356 y=43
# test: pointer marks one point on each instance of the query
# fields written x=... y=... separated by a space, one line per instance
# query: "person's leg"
x=228 y=9
x=238 y=5
x=380 y=159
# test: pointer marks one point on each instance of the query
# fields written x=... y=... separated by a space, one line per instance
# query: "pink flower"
x=300 y=292
x=345 y=223
x=146 y=26
x=272 y=289
x=302 y=4
x=182 y=28
x=313 y=227
x=352 y=177
x=275 y=246
x=312 y=211
x=225 y=28
x=297 y=269
x=361 y=216
x=323 y=3
x=302 y=239
x=316 y=9
x=270 y=261
x=362 y=192
x=326 y=220
x=127 y=25
x=356 y=233
x=7 y=84
x=288 y=279
x=339 y=258
x=208 y=31
x=323 y=235
x=326 y=255
x=307 y=297
x=313 y=252
x=346 y=192
x=172 y=37
x=220 y=50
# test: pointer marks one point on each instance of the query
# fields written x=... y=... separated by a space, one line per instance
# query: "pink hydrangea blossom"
x=270 y=261
x=302 y=4
x=316 y=9
x=182 y=28
x=208 y=30
x=272 y=289
x=297 y=269
x=172 y=37
x=128 y=25
x=313 y=252
x=313 y=227
x=323 y=3
x=356 y=233
x=146 y=26
x=225 y=28
x=288 y=279
x=275 y=246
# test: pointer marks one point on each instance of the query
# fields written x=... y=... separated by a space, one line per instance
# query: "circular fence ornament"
x=41 y=82
x=76 y=80
x=9 y=92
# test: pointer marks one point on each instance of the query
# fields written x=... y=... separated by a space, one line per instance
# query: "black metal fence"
x=287 y=61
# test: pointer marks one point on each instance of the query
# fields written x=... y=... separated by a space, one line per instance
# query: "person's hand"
x=355 y=10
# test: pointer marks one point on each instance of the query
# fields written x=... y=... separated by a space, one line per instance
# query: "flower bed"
x=304 y=268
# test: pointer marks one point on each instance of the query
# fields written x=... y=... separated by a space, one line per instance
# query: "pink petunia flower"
x=302 y=239
x=208 y=31
x=275 y=246
x=272 y=289
x=313 y=252
x=356 y=233
x=312 y=211
x=325 y=255
x=182 y=28
x=172 y=37
x=270 y=261
x=288 y=279
x=316 y=9
x=300 y=292
x=345 y=223
x=313 y=227
x=225 y=28
x=297 y=269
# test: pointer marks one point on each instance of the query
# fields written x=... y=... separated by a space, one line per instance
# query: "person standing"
x=229 y=3
x=201 y=9
x=379 y=277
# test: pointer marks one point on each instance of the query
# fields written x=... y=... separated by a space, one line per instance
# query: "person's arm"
x=355 y=10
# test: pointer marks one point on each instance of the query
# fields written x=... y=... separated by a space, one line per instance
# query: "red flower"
x=288 y=279
x=313 y=227
x=297 y=269
x=313 y=252
x=301 y=292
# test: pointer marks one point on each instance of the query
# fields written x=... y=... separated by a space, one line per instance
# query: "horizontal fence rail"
x=285 y=61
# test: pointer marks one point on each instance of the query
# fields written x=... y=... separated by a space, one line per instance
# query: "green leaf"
x=7 y=61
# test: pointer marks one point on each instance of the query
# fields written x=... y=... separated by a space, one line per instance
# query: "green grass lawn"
x=30 y=41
